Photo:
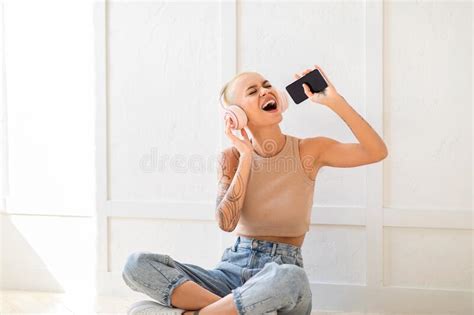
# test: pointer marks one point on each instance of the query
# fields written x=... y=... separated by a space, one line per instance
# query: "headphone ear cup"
x=237 y=116
x=283 y=98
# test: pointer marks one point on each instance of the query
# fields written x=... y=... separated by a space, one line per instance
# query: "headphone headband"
x=221 y=99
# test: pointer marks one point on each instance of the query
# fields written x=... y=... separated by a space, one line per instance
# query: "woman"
x=265 y=195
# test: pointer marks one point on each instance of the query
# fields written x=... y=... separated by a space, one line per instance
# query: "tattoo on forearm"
x=221 y=190
x=228 y=211
x=229 y=196
x=224 y=178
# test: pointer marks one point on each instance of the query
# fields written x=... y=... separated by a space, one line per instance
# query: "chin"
x=275 y=121
x=280 y=117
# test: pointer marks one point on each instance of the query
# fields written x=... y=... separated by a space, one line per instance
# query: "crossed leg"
x=174 y=284
x=276 y=287
x=282 y=287
x=191 y=296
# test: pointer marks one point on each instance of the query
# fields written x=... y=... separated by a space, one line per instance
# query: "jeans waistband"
x=266 y=246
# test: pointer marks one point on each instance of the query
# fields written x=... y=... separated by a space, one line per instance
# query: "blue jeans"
x=263 y=277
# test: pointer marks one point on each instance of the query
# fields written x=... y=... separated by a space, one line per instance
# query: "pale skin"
x=251 y=91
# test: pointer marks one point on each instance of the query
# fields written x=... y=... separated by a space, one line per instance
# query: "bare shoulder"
x=230 y=154
x=228 y=162
x=331 y=152
x=312 y=147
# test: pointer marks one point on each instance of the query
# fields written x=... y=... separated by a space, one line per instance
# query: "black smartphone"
x=315 y=81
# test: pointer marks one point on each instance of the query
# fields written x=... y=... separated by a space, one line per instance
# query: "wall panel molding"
x=442 y=219
x=373 y=88
x=373 y=296
x=205 y=211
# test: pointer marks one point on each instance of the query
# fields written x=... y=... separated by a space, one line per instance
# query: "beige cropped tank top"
x=279 y=195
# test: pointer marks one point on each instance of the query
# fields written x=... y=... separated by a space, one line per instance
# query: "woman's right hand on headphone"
x=244 y=146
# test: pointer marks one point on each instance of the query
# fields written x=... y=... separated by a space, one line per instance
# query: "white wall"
x=47 y=123
x=392 y=236
x=428 y=101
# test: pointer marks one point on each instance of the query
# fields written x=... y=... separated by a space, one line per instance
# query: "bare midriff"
x=293 y=240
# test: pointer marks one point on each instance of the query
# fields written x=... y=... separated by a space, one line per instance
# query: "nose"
x=264 y=90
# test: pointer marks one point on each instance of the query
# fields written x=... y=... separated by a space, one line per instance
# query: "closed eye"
x=268 y=86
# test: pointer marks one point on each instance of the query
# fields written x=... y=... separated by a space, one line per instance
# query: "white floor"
x=26 y=302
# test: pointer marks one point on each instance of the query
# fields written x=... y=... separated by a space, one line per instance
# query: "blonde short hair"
x=226 y=90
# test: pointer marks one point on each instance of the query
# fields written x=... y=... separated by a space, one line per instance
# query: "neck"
x=268 y=141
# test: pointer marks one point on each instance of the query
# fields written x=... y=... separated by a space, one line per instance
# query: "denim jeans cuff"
x=172 y=285
x=238 y=301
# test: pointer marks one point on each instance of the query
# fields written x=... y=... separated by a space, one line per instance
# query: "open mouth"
x=269 y=106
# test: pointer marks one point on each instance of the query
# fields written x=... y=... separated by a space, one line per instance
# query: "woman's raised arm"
x=232 y=184
x=232 y=176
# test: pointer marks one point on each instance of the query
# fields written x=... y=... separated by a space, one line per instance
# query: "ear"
x=238 y=116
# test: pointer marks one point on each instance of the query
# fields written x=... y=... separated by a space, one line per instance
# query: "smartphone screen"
x=315 y=81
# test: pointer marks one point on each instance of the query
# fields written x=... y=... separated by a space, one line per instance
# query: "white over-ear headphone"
x=237 y=115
